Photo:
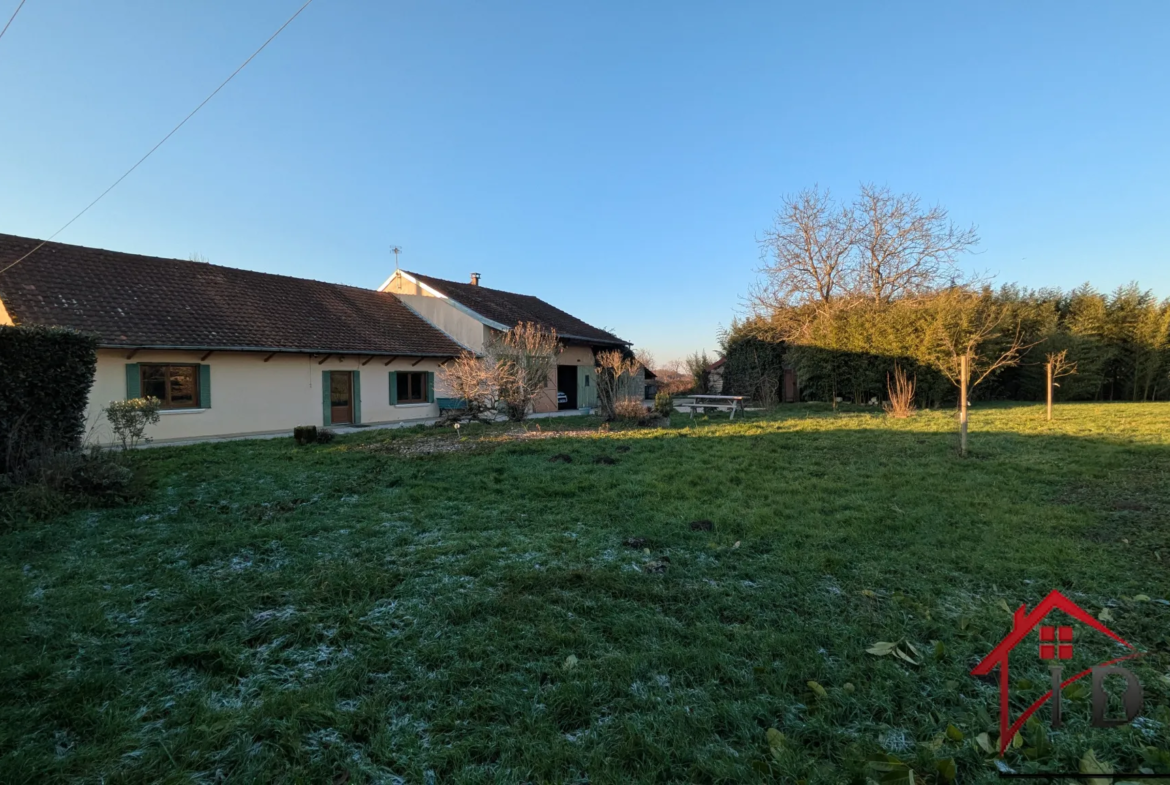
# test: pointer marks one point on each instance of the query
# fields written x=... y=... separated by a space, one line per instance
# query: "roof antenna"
x=395 y=249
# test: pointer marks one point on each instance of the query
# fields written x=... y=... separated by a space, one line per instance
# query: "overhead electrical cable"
x=8 y=24
x=161 y=141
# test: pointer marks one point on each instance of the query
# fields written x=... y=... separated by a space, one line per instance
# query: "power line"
x=162 y=141
x=14 y=13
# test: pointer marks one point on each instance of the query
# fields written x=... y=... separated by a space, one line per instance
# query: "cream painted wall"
x=5 y=319
x=399 y=285
x=465 y=329
x=571 y=355
x=250 y=396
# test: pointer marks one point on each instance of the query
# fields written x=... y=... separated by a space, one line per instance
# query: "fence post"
x=1048 y=369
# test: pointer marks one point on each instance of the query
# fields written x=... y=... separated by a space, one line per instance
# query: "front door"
x=566 y=387
x=341 y=397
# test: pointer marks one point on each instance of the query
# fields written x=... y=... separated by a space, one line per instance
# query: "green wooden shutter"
x=133 y=381
x=394 y=388
x=430 y=387
x=326 y=419
x=204 y=386
x=357 y=397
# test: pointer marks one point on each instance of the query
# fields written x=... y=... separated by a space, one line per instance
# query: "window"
x=412 y=387
x=177 y=386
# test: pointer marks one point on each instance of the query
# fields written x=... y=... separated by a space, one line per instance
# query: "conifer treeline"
x=1120 y=342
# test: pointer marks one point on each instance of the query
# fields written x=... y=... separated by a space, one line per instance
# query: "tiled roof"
x=511 y=309
x=143 y=301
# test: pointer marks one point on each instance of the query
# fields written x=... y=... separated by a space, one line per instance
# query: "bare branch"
x=903 y=249
x=805 y=253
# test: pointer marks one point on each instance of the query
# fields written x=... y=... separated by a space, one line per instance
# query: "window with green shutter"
x=176 y=386
x=411 y=387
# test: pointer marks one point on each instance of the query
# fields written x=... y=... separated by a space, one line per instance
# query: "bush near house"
x=45 y=377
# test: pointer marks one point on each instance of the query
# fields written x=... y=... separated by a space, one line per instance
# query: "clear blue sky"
x=618 y=159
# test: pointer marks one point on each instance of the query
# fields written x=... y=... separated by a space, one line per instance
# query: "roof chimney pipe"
x=475 y=279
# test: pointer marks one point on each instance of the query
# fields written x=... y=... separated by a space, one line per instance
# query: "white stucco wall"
x=460 y=326
x=250 y=396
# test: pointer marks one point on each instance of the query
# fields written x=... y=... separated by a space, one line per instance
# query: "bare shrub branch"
x=522 y=358
x=614 y=370
x=901 y=394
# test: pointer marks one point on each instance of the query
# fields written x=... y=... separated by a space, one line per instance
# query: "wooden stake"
x=964 y=377
x=1048 y=367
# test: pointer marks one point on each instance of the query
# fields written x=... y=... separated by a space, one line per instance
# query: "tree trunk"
x=964 y=376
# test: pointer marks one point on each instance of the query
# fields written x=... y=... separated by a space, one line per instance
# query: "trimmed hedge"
x=45 y=377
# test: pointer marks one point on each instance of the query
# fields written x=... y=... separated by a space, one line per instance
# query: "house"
x=232 y=352
x=473 y=314
x=229 y=352
x=650 y=382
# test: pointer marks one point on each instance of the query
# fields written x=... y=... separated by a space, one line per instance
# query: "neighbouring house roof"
x=136 y=301
x=649 y=373
x=509 y=309
x=717 y=364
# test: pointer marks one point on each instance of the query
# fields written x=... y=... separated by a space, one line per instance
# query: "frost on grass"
x=895 y=740
x=275 y=614
x=290 y=668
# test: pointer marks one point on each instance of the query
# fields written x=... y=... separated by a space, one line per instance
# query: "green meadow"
x=572 y=603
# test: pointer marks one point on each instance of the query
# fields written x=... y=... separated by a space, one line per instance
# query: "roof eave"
x=275 y=349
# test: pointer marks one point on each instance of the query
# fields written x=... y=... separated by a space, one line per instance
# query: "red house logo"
x=1056 y=645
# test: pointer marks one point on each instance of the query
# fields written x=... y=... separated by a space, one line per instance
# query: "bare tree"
x=902 y=248
x=646 y=358
x=806 y=252
x=614 y=370
x=523 y=358
x=972 y=338
x=474 y=381
x=1057 y=365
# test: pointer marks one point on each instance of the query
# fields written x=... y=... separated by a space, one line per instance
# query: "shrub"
x=629 y=409
x=129 y=419
x=521 y=361
x=901 y=391
x=305 y=434
x=663 y=404
x=614 y=371
x=324 y=436
x=475 y=381
x=45 y=377
x=56 y=483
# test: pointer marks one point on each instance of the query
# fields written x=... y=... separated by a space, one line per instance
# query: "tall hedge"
x=45 y=377
x=1120 y=343
x=754 y=367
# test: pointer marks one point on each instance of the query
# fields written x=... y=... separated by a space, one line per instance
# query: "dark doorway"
x=791 y=394
x=341 y=397
x=566 y=387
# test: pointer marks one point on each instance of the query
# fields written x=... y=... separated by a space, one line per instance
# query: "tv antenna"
x=396 y=249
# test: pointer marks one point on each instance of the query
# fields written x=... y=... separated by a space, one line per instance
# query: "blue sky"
x=617 y=159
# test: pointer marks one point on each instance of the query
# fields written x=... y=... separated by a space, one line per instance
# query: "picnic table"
x=704 y=402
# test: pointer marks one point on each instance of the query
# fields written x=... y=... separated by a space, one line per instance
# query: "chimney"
x=475 y=279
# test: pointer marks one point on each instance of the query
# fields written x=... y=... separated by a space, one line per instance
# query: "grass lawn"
x=409 y=606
